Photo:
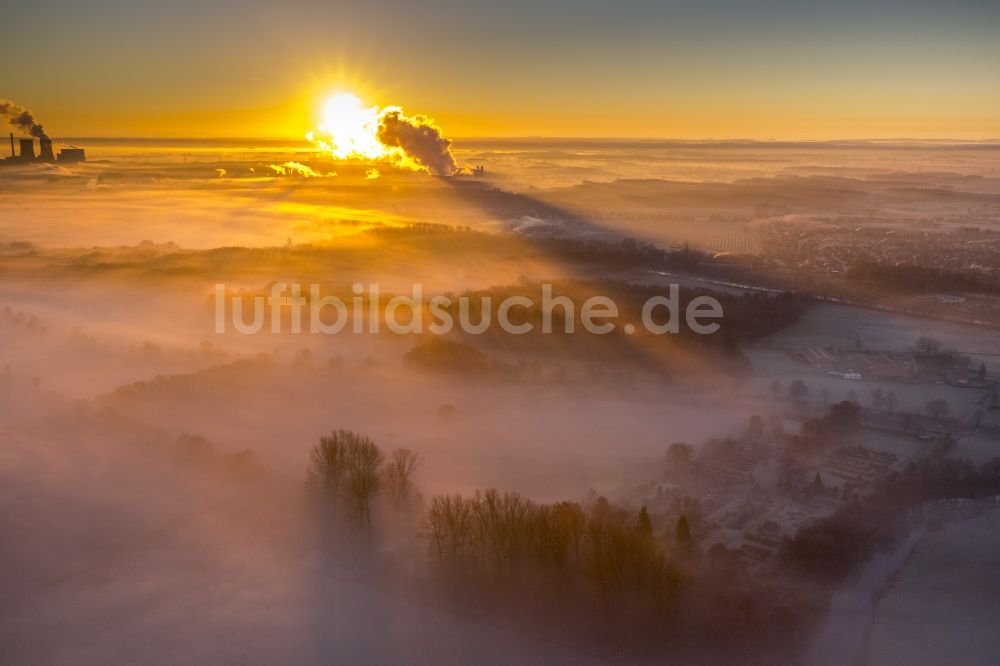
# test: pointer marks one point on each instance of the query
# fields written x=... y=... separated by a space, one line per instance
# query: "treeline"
x=440 y=355
x=498 y=534
x=17 y=248
x=628 y=253
x=601 y=575
x=747 y=315
x=913 y=278
x=624 y=254
x=425 y=228
x=831 y=548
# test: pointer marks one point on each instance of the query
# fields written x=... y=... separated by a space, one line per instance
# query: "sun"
x=349 y=128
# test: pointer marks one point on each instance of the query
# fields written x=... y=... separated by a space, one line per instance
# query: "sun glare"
x=349 y=129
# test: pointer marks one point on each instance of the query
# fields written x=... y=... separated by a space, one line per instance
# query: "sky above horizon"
x=634 y=68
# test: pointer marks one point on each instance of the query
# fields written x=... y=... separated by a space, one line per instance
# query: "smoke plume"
x=20 y=117
x=418 y=138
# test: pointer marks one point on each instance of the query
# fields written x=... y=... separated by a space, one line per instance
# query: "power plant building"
x=71 y=155
x=27 y=149
x=45 y=153
x=45 y=150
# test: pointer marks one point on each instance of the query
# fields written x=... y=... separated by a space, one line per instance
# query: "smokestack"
x=45 y=150
x=12 y=145
x=27 y=149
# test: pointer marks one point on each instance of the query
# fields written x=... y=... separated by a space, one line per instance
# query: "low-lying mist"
x=154 y=501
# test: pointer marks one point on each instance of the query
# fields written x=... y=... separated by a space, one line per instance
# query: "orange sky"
x=638 y=68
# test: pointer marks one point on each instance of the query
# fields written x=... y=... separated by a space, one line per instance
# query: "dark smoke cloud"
x=20 y=117
x=419 y=139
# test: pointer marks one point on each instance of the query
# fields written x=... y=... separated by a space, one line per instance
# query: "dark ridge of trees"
x=17 y=248
x=206 y=377
x=199 y=451
x=747 y=316
x=628 y=253
x=439 y=355
x=912 y=278
x=831 y=548
x=418 y=228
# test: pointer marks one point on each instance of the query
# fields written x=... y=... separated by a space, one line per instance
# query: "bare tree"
x=328 y=463
x=448 y=525
x=346 y=465
x=364 y=482
x=398 y=476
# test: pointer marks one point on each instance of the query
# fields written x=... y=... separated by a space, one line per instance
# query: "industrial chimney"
x=27 y=149
x=45 y=150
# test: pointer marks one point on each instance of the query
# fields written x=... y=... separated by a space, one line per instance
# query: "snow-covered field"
x=943 y=607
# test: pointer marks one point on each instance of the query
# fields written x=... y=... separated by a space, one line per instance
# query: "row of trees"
x=913 y=278
x=798 y=391
x=500 y=534
x=602 y=574
x=348 y=467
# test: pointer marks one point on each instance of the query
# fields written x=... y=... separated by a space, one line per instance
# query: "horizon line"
x=528 y=137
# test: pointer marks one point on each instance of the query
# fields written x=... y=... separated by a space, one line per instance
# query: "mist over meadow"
x=152 y=476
